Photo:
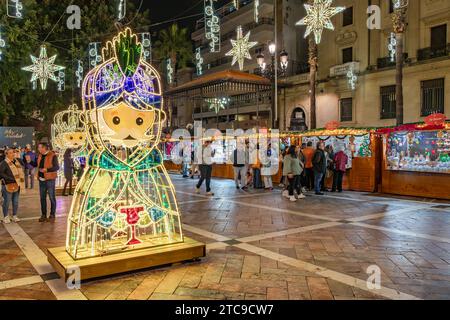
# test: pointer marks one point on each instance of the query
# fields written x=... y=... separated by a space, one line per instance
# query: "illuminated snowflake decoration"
x=43 y=68
x=319 y=17
x=241 y=48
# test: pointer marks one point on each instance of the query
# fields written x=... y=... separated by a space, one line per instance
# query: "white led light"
x=241 y=48
x=43 y=68
x=319 y=17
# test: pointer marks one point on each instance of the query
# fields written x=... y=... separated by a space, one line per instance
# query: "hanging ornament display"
x=14 y=9
x=392 y=46
x=241 y=48
x=2 y=43
x=125 y=200
x=146 y=40
x=256 y=10
x=43 y=68
x=352 y=78
x=199 y=61
x=61 y=80
x=217 y=104
x=79 y=73
x=318 y=17
x=94 y=56
x=169 y=71
x=122 y=9
x=212 y=26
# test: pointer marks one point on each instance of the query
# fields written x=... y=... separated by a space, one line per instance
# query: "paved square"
x=260 y=246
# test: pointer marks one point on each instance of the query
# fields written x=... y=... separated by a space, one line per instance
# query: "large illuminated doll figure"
x=125 y=199
x=68 y=132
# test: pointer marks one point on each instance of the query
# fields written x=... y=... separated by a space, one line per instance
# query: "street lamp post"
x=272 y=71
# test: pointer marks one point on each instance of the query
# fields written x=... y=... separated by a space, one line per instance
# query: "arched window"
x=298 y=120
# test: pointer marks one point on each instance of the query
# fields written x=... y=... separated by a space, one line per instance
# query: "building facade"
x=371 y=103
x=258 y=17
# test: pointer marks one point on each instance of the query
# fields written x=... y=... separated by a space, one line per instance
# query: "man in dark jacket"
x=319 y=166
x=47 y=164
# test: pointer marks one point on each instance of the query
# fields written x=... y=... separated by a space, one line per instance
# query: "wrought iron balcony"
x=431 y=53
x=386 y=62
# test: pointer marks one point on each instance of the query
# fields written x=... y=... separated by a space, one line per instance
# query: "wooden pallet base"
x=97 y=267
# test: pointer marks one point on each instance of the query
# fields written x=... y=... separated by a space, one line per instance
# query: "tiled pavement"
x=260 y=246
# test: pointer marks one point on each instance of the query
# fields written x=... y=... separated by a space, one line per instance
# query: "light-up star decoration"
x=43 y=68
x=241 y=48
x=319 y=17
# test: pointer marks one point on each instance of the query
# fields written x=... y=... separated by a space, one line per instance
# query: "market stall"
x=361 y=147
x=416 y=159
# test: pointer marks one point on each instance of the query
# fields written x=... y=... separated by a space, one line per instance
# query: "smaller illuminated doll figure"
x=125 y=199
x=68 y=132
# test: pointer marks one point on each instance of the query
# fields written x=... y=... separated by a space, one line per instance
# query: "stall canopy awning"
x=231 y=82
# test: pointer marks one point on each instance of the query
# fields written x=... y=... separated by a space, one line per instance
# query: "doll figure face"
x=74 y=139
x=128 y=126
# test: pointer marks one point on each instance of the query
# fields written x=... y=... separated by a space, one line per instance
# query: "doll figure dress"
x=125 y=199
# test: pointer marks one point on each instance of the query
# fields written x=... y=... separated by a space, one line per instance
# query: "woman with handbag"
x=13 y=180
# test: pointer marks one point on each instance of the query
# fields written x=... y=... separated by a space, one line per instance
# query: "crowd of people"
x=304 y=168
x=18 y=169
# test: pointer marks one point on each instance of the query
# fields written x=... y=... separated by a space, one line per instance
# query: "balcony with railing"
x=224 y=11
x=386 y=62
x=432 y=53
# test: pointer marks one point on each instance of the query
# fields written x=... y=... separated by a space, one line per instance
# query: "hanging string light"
x=122 y=9
x=169 y=71
x=392 y=46
x=352 y=78
x=199 y=61
x=212 y=26
x=61 y=80
x=94 y=57
x=146 y=41
x=79 y=73
x=256 y=10
x=2 y=43
x=14 y=9
x=241 y=48
x=43 y=68
x=318 y=17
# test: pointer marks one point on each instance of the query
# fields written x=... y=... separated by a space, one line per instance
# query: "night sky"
x=163 y=10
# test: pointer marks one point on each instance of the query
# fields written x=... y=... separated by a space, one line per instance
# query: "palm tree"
x=312 y=79
x=399 y=24
x=174 y=43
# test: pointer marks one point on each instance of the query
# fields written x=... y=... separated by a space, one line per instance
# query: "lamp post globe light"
x=272 y=72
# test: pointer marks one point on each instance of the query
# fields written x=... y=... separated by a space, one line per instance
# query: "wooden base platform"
x=97 y=267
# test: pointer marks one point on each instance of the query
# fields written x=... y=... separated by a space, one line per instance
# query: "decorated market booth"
x=223 y=148
x=360 y=145
x=416 y=159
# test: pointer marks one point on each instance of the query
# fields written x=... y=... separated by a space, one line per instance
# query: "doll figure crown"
x=123 y=75
x=64 y=122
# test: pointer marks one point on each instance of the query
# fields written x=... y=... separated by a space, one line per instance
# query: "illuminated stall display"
x=422 y=151
x=125 y=200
